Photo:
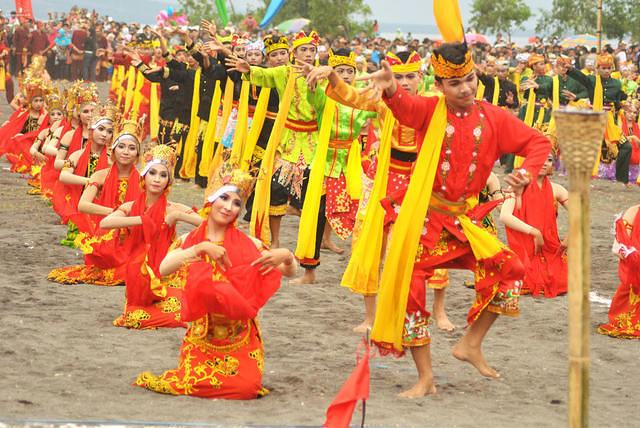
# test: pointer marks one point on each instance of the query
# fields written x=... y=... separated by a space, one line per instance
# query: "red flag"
x=355 y=388
x=24 y=9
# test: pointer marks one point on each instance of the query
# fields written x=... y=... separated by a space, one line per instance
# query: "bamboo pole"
x=580 y=135
x=599 y=25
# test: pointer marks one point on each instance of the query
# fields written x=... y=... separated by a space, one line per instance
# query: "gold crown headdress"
x=160 y=154
x=445 y=69
x=129 y=129
x=413 y=63
x=229 y=178
x=107 y=113
x=303 y=39
x=336 y=60
x=272 y=43
x=54 y=101
x=33 y=87
x=82 y=93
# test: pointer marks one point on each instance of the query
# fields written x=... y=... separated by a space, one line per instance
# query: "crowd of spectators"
x=80 y=45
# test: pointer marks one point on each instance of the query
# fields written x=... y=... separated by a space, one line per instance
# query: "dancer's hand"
x=271 y=259
x=316 y=75
x=237 y=64
x=381 y=80
x=217 y=253
x=538 y=240
x=517 y=181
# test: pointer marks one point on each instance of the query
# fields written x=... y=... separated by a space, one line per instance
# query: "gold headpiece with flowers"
x=336 y=60
x=411 y=65
x=82 y=93
x=272 y=43
x=107 y=113
x=33 y=87
x=303 y=39
x=229 y=178
x=160 y=154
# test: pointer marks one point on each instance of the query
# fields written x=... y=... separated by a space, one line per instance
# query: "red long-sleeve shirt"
x=484 y=133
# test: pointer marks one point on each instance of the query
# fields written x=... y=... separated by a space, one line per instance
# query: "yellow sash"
x=496 y=91
x=353 y=174
x=154 y=111
x=242 y=124
x=131 y=82
x=396 y=275
x=256 y=127
x=188 y=169
x=260 y=214
x=480 y=92
x=309 y=216
x=209 y=140
x=363 y=271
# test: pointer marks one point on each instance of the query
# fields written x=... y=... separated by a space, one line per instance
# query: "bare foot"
x=628 y=185
x=475 y=357
x=420 y=389
x=307 y=278
x=329 y=245
x=443 y=322
x=362 y=328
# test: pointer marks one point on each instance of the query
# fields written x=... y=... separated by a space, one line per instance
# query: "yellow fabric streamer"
x=260 y=213
x=256 y=128
x=398 y=267
x=363 y=271
x=449 y=20
x=598 y=104
x=227 y=105
x=353 y=173
x=496 y=91
x=154 y=111
x=480 y=92
x=242 y=124
x=137 y=96
x=121 y=77
x=114 y=79
x=131 y=82
x=556 y=93
x=531 y=108
x=188 y=169
x=208 y=144
x=309 y=217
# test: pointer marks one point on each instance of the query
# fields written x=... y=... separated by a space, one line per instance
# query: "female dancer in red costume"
x=227 y=278
x=36 y=158
x=24 y=125
x=532 y=231
x=624 y=313
x=106 y=190
x=66 y=195
x=151 y=300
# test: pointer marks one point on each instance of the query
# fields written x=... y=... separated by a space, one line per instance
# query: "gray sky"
x=412 y=12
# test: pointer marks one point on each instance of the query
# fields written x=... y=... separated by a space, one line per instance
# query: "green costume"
x=612 y=93
x=572 y=85
x=544 y=96
x=300 y=134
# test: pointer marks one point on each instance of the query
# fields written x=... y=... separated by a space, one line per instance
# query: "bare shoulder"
x=630 y=214
x=99 y=176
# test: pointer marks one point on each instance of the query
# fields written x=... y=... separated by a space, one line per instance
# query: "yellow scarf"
x=309 y=216
x=154 y=111
x=256 y=127
x=398 y=267
x=480 y=92
x=242 y=124
x=496 y=91
x=260 y=213
x=227 y=105
x=209 y=140
x=353 y=174
x=188 y=169
x=363 y=271
x=131 y=82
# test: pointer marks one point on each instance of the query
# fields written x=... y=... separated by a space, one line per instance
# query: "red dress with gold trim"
x=545 y=272
x=222 y=355
x=103 y=249
x=624 y=313
x=19 y=155
x=151 y=300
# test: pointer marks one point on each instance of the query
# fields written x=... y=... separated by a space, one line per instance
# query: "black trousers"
x=622 y=162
